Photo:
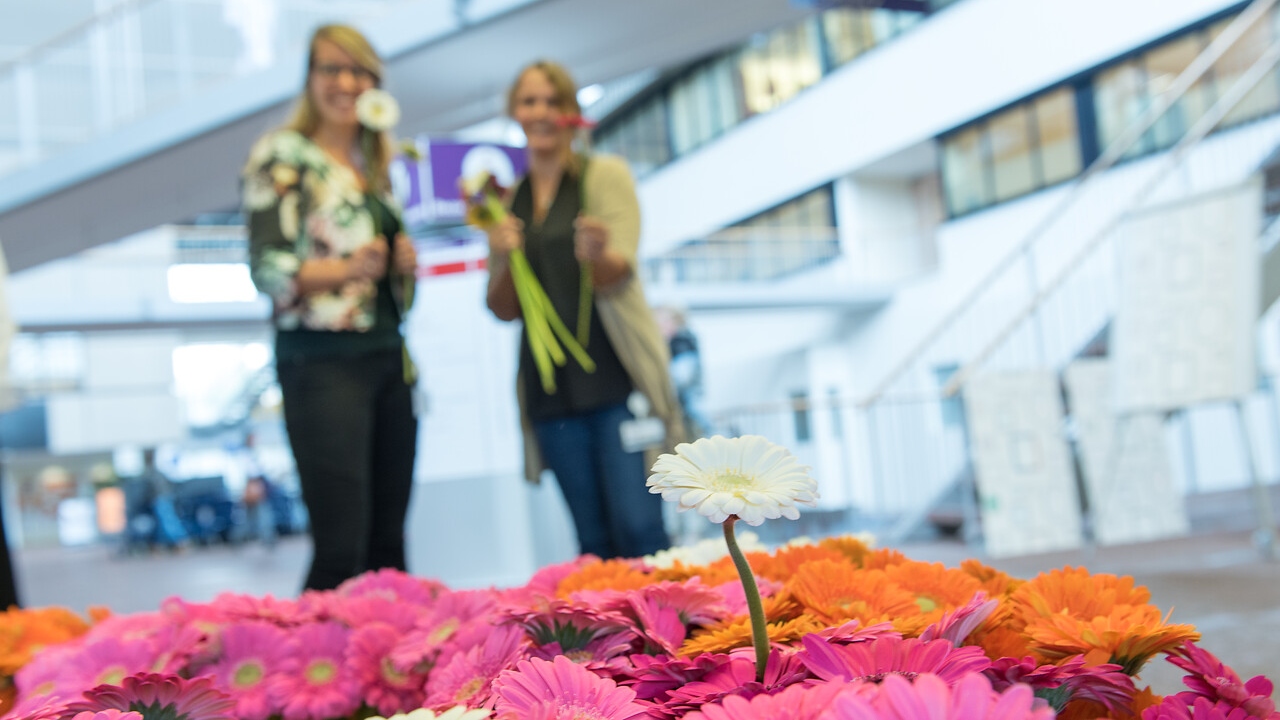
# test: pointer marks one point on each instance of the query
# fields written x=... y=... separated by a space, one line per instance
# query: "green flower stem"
x=584 y=305
x=410 y=369
x=520 y=272
x=759 y=633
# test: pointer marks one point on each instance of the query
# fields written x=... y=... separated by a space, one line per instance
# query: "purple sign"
x=428 y=188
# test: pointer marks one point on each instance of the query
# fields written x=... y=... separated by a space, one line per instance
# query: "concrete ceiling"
x=442 y=86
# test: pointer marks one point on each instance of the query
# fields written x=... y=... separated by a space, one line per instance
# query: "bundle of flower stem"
x=549 y=338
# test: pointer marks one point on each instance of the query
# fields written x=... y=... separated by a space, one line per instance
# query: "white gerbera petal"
x=747 y=476
x=377 y=110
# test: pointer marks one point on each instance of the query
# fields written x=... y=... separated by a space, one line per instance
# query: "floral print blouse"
x=299 y=204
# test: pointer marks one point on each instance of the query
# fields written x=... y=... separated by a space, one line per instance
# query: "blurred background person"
x=686 y=369
x=326 y=245
x=570 y=211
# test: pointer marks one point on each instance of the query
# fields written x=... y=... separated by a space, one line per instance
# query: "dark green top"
x=549 y=247
x=303 y=343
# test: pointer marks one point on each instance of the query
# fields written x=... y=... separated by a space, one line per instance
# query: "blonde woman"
x=326 y=244
x=573 y=211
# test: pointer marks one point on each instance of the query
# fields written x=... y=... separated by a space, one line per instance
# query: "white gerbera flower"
x=747 y=476
x=704 y=552
x=377 y=110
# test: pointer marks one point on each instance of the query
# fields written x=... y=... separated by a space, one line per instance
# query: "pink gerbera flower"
x=468 y=678
x=111 y=714
x=252 y=652
x=563 y=690
x=441 y=631
x=314 y=681
x=159 y=696
x=798 y=702
x=1209 y=678
x=853 y=632
x=735 y=599
x=933 y=697
x=875 y=660
x=382 y=685
x=355 y=612
x=393 y=585
x=543 y=585
x=107 y=662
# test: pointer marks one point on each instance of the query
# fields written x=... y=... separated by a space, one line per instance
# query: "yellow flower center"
x=445 y=631
x=247 y=674
x=730 y=481
x=321 y=672
x=468 y=690
x=926 y=604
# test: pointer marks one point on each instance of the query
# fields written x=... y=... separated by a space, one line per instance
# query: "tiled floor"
x=1220 y=582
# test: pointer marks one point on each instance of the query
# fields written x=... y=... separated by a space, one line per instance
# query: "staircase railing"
x=1094 y=203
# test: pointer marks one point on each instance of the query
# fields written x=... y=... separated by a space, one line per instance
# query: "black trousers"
x=354 y=436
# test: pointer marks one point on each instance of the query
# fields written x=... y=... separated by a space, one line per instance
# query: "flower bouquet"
x=834 y=629
x=543 y=327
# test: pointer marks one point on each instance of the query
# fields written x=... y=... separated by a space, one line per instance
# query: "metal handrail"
x=1198 y=67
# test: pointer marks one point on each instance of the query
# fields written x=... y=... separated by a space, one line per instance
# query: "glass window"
x=963 y=172
x=703 y=105
x=1012 y=161
x=641 y=137
x=1058 y=136
x=1163 y=66
x=1120 y=97
x=777 y=67
x=1265 y=96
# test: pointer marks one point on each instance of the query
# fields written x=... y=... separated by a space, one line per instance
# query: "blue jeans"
x=604 y=486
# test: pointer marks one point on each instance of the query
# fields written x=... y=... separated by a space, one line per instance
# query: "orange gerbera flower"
x=883 y=558
x=604 y=575
x=1128 y=636
x=717 y=573
x=784 y=563
x=996 y=583
x=937 y=589
x=737 y=633
x=836 y=592
x=850 y=546
x=1078 y=592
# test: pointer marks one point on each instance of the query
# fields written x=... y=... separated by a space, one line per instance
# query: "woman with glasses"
x=326 y=245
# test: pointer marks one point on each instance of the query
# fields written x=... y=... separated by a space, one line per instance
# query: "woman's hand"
x=368 y=262
x=406 y=256
x=590 y=239
x=506 y=236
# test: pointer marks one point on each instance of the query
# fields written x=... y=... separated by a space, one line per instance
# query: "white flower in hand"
x=747 y=476
x=377 y=110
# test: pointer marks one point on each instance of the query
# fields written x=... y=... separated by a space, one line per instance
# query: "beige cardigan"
x=610 y=195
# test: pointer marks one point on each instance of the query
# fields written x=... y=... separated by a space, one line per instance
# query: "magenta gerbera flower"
x=1200 y=708
x=314 y=681
x=252 y=652
x=1106 y=684
x=853 y=632
x=159 y=696
x=564 y=690
x=355 y=612
x=738 y=677
x=875 y=660
x=383 y=687
x=1209 y=678
x=654 y=677
x=959 y=623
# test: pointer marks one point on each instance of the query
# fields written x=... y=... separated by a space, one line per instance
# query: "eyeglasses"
x=333 y=72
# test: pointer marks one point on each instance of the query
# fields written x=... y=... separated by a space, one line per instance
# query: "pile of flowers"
x=848 y=630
